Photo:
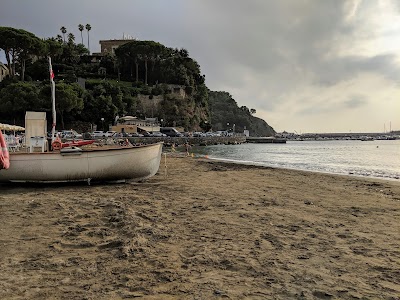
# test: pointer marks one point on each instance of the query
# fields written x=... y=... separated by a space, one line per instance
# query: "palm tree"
x=71 y=38
x=59 y=38
x=64 y=31
x=81 y=27
x=88 y=28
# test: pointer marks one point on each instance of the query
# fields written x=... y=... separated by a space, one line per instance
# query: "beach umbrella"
x=5 y=126
x=11 y=127
x=19 y=128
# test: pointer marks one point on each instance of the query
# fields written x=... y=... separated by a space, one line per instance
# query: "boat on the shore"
x=76 y=164
x=66 y=162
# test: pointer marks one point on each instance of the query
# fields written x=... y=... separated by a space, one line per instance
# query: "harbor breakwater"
x=206 y=141
x=201 y=141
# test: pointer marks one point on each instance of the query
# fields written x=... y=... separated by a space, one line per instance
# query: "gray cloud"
x=268 y=54
x=355 y=101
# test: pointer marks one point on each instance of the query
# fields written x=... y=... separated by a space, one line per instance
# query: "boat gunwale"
x=86 y=150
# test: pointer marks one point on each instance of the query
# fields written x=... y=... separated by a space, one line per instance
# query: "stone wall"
x=202 y=141
x=150 y=106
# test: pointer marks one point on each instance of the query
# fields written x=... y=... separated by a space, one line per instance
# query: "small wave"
x=335 y=157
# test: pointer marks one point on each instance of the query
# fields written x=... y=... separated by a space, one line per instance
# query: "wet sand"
x=207 y=230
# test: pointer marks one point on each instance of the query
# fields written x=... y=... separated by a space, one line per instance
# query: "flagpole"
x=53 y=96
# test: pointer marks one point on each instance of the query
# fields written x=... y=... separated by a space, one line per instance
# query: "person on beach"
x=187 y=148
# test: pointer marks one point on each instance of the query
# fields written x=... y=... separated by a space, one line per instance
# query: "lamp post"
x=102 y=123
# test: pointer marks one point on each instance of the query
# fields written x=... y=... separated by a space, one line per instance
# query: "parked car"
x=146 y=133
x=135 y=134
x=170 y=131
x=198 y=134
x=98 y=134
x=70 y=134
x=110 y=133
x=157 y=134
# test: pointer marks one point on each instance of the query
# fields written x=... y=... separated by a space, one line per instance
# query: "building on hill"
x=130 y=124
x=3 y=71
x=109 y=46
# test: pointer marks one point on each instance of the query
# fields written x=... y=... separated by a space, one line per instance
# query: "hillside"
x=225 y=114
x=143 y=79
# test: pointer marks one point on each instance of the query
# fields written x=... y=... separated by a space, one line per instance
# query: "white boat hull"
x=113 y=164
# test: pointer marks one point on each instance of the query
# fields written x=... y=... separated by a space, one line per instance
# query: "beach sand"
x=202 y=229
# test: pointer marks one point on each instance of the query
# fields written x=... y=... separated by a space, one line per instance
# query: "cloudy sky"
x=304 y=65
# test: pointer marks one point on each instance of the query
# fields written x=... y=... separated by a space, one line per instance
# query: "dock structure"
x=206 y=141
x=265 y=140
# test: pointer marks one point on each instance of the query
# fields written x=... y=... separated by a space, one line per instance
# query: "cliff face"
x=226 y=115
x=258 y=127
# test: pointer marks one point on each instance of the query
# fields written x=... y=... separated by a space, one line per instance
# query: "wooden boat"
x=75 y=164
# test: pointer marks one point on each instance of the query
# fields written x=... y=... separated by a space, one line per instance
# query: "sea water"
x=378 y=159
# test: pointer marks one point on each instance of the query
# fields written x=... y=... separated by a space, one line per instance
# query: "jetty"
x=265 y=140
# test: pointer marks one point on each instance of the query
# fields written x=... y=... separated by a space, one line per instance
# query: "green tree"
x=156 y=54
x=245 y=109
x=81 y=49
x=17 y=98
x=144 y=51
x=71 y=54
x=103 y=104
x=30 y=46
x=63 y=31
x=88 y=28
x=109 y=62
x=128 y=54
x=69 y=97
x=81 y=28
x=38 y=70
x=130 y=103
x=19 y=45
x=144 y=57
x=54 y=47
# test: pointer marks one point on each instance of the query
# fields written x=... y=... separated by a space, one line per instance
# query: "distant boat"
x=366 y=138
x=78 y=164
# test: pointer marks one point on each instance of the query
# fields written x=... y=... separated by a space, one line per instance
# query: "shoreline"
x=203 y=229
x=255 y=164
x=364 y=160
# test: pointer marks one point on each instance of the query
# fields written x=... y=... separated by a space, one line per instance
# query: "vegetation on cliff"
x=143 y=78
x=226 y=115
